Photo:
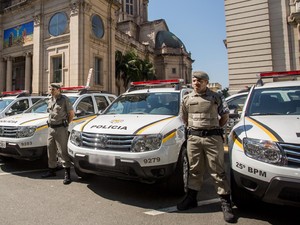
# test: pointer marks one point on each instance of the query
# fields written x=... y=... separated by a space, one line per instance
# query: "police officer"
x=205 y=112
x=61 y=113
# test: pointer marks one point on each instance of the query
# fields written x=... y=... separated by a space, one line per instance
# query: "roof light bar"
x=279 y=74
x=156 y=82
x=14 y=92
x=73 y=88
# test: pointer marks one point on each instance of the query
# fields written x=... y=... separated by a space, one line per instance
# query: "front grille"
x=107 y=142
x=292 y=153
x=8 y=131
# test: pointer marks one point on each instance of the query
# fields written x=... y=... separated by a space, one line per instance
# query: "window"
x=85 y=106
x=129 y=7
x=58 y=24
x=34 y=100
x=174 y=70
x=97 y=66
x=20 y=106
x=97 y=26
x=101 y=102
x=57 y=69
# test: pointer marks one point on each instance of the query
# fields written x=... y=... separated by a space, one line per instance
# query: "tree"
x=129 y=67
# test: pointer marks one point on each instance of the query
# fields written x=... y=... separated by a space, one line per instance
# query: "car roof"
x=236 y=95
x=154 y=90
x=279 y=84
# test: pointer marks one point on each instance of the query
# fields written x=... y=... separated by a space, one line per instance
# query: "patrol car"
x=264 y=146
x=140 y=136
x=24 y=136
x=16 y=102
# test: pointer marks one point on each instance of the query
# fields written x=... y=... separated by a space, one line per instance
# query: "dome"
x=168 y=39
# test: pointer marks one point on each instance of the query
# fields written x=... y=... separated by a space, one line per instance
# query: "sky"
x=200 y=25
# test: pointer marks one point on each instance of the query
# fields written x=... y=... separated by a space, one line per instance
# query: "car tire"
x=240 y=197
x=177 y=182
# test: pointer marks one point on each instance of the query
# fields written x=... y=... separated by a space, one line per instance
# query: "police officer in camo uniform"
x=61 y=113
x=205 y=112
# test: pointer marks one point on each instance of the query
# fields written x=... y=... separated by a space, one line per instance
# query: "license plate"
x=105 y=160
x=2 y=144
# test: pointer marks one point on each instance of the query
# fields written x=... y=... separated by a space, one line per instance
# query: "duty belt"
x=204 y=133
x=55 y=125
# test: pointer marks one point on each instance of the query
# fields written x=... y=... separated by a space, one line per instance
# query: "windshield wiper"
x=265 y=114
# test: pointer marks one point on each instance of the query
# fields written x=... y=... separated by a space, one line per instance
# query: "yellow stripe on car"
x=269 y=133
x=152 y=124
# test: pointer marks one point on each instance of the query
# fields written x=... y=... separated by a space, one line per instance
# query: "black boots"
x=50 y=173
x=67 y=179
x=227 y=209
x=189 y=202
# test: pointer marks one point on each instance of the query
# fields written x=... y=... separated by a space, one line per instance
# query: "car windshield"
x=274 y=101
x=146 y=103
x=4 y=103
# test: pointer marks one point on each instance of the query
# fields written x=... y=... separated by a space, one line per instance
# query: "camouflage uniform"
x=58 y=132
x=200 y=112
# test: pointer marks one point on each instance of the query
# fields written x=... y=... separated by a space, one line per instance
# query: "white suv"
x=24 y=136
x=140 y=137
x=16 y=102
x=264 y=146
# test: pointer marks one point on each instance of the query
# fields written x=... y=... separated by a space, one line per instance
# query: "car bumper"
x=124 y=169
x=280 y=190
x=14 y=151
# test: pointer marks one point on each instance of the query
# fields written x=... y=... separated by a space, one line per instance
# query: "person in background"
x=61 y=114
x=205 y=113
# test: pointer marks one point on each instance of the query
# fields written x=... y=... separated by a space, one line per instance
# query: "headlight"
x=262 y=150
x=146 y=143
x=25 y=131
x=75 y=138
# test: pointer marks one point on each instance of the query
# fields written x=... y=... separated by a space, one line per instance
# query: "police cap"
x=55 y=85
x=200 y=75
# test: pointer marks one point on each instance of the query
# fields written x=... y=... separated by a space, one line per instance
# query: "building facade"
x=261 y=36
x=60 y=40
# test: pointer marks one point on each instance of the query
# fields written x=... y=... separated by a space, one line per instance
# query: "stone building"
x=261 y=36
x=60 y=40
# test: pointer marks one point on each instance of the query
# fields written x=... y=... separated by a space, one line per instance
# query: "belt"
x=204 y=133
x=55 y=125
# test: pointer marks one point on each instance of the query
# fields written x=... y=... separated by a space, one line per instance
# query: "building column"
x=37 y=67
x=2 y=74
x=9 y=74
x=28 y=71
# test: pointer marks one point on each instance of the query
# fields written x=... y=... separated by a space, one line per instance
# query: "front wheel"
x=241 y=198
x=177 y=182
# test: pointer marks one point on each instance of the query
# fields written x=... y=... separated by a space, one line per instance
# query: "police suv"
x=140 y=136
x=24 y=136
x=16 y=102
x=264 y=146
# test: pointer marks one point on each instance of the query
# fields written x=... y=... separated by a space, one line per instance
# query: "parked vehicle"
x=264 y=146
x=24 y=136
x=139 y=137
x=16 y=102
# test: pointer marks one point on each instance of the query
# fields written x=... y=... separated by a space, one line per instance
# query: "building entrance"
x=18 y=76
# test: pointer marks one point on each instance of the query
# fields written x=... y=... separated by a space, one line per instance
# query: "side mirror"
x=79 y=113
x=10 y=112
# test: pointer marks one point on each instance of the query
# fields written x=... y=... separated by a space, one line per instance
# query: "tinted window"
x=58 y=24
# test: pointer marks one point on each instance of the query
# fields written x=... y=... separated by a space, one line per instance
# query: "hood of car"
x=25 y=119
x=126 y=124
x=275 y=128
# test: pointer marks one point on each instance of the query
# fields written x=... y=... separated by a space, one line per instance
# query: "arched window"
x=97 y=26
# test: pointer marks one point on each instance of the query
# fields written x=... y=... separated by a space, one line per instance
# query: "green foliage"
x=129 y=67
